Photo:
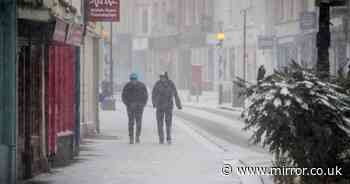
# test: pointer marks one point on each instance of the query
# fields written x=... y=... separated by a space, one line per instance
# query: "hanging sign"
x=103 y=10
x=59 y=31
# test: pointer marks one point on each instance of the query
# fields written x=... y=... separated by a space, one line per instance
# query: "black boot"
x=137 y=140
x=131 y=140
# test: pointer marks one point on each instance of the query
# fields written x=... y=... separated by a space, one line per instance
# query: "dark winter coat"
x=261 y=73
x=135 y=95
x=163 y=95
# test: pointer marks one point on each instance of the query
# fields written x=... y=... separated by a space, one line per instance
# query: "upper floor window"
x=287 y=10
x=144 y=21
x=165 y=11
x=155 y=13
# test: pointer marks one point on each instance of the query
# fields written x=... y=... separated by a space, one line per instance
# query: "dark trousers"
x=135 y=116
x=167 y=115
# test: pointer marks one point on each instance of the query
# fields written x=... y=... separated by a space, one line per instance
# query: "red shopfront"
x=61 y=91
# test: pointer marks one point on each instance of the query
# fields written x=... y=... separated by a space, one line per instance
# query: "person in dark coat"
x=261 y=73
x=135 y=97
x=163 y=95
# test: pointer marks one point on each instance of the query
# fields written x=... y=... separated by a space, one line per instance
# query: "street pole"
x=111 y=74
x=244 y=13
x=244 y=43
x=324 y=35
x=221 y=71
x=323 y=41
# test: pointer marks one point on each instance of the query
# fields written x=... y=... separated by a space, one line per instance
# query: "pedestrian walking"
x=134 y=96
x=261 y=73
x=163 y=94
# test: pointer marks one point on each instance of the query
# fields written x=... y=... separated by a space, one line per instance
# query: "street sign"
x=103 y=10
x=308 y=20
x=265 y=42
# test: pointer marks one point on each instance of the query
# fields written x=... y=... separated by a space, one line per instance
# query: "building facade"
x=48 y=47
x=91 y=56
x=8 y=111
x=294 y=27
x=243 y=23
x=170 y=36
x=121 y=44
x=277 y=33
x=57 y=71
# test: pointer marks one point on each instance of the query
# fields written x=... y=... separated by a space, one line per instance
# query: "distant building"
x=295 y=26
x=230 y=16
x=122 y=44
x=278 y=31
x=170 y=36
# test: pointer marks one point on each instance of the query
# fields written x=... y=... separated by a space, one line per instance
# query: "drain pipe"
x=12 y=115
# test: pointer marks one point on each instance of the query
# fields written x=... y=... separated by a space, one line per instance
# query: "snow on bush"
x=301 y=118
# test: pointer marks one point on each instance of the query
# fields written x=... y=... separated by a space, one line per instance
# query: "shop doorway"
x=29 y=103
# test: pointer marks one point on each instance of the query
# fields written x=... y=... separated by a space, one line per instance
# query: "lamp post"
x=220 y=38
x=111 y=101
x=111 y=74
x=324 y=35
x=244 y=12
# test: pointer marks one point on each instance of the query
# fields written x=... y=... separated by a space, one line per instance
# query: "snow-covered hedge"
x=301 y=118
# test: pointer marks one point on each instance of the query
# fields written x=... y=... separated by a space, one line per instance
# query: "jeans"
x=135 y=116
x=167 y=114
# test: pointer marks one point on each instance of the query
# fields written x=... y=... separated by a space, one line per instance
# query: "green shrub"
x=296 y=115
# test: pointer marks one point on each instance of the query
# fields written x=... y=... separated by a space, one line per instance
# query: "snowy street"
x=201 y=145
x=174 y=91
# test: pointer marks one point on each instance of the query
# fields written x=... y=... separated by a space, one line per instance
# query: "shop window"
x=29 y=85
x=286 y=53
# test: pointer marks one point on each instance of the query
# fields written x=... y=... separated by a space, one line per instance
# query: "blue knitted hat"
x=133 y=76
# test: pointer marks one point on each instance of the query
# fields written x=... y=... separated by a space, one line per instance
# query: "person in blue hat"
x=135 y=97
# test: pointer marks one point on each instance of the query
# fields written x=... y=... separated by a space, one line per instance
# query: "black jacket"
x=135 y=95
x=163 y=95
x=261 y=73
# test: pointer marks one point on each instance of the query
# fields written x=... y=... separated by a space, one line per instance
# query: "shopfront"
x=60 y=93
x=32 y=155
x=47 y=94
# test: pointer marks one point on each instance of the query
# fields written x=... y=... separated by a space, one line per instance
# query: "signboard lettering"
x=103 y=10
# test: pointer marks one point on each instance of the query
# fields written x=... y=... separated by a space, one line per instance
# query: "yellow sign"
x=104 y=34
x=220 y=36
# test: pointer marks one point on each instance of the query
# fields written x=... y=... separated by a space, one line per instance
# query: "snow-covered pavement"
x=208 y=100
x=194 y=157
